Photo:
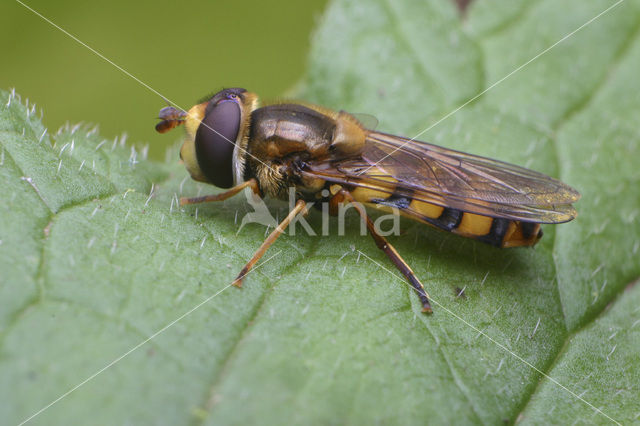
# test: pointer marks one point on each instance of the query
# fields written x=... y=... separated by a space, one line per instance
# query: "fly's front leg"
x=388 y=249
x=251 y=183
x=300 y=207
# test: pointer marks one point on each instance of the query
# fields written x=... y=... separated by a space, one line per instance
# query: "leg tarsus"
x=238 y=281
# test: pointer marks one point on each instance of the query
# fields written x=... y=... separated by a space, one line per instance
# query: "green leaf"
x=96 y=255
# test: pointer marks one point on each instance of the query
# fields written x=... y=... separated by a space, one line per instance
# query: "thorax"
x=283 y=137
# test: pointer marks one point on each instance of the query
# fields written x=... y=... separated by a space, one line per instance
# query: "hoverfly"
x=234 y=143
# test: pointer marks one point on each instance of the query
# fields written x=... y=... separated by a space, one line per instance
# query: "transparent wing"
x=448 y=178
x=366 y=120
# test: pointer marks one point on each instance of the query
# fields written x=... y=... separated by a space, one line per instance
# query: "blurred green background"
x=184 y=50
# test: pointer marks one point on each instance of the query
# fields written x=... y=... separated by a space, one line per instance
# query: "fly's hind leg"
x=389 y=250
x=300 y=207
x=251 y=183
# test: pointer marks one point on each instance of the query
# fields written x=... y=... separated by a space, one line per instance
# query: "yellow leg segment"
x=300 y=206
x=251 y=183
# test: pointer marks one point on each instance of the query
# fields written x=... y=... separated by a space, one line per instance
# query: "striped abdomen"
x=498 y=232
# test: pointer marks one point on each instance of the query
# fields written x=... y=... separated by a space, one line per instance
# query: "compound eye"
x=215 y=141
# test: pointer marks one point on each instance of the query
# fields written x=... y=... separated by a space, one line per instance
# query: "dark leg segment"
x=301 y=206
x=391 y=253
